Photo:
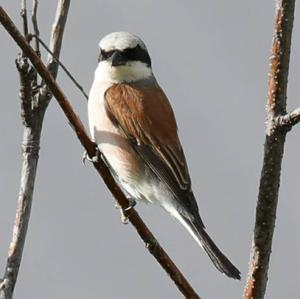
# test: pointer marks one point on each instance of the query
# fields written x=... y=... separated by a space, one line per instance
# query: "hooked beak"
x=117 y=59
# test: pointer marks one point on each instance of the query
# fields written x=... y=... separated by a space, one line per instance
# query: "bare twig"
x=273 y=152
x=33 y=107
x=151 y=243
x=56 y=35
x=61 y=64
x=24 y=17
x=35 y=25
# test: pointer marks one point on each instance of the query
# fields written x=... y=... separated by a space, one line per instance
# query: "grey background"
x=211 y=57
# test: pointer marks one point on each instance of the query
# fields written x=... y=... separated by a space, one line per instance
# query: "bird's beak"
x=117 y=59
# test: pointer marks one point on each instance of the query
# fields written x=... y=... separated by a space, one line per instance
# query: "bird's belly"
x=115 y=147
x=130 y=171
x=118 y=152
x=128 y=168
x=120 y=156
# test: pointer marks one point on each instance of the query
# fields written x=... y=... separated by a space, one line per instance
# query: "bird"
x=133 y=124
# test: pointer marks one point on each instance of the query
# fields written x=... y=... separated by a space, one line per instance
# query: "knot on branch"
x=31 y=147
x=284 y=122
x=280 y=123
x=4 y=288
x=28 y=92
x=3 y=284
x=152 y=244
x=24 y=68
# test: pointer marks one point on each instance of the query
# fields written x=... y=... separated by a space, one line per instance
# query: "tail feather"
x=220 y=261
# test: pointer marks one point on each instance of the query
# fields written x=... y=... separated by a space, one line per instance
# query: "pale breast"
x=115 y=147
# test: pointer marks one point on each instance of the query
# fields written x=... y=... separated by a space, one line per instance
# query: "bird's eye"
x=137 y=54
x=105 y=55
x=130 y=53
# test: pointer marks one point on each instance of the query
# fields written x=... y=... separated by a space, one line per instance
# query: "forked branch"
x=290 y=119
x=33 y=107
x=278 y=124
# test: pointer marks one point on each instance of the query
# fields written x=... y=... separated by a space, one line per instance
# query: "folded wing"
x=144 y=115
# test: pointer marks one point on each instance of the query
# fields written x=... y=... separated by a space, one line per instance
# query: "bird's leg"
x=123 y=211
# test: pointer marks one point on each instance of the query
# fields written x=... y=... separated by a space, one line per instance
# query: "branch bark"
x=35 y=25
x=24 y=17
x=273 y=151
x=33 y=108
x=57 y=34
x=290 y=119
x=151 y=243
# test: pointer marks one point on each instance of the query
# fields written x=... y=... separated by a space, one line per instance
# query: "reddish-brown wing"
x=144 y=115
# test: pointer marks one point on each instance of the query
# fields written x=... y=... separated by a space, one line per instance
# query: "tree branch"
x=61 y=65
x=290 y=119
x=35 y=25
x=273 y=152
x=57 y=34
x=33 y=107
x=24 y=17
x=151 y=243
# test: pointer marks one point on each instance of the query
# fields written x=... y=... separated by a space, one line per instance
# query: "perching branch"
x=151 y=243
x=33 y=107
x=278 y=124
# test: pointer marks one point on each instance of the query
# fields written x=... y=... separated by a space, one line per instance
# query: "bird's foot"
x=123 y=211
x=93 y=159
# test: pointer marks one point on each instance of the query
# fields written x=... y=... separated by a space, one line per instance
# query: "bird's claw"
x=84 y=157
x=94 y=159
x=123 y=211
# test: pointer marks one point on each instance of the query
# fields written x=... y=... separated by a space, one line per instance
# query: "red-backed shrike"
x=134 y=126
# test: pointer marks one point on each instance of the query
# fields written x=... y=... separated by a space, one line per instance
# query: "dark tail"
x=221 y=262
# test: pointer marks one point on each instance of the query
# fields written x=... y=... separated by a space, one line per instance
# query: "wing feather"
x=144 y=115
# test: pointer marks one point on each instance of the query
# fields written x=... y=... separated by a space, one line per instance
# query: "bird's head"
x=123 y=58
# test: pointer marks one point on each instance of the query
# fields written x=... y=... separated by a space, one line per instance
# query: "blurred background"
x=211 y=58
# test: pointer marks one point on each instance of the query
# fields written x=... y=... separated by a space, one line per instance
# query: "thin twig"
x=151 y=243
x=33 y=107
x=24 y=17
x=35 y=26
x=56 y=35
x=61 y=64
x=273 y=152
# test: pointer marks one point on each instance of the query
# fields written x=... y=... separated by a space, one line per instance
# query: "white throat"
x=132 y=71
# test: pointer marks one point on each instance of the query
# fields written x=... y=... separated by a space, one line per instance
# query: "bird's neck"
x=132 y=72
